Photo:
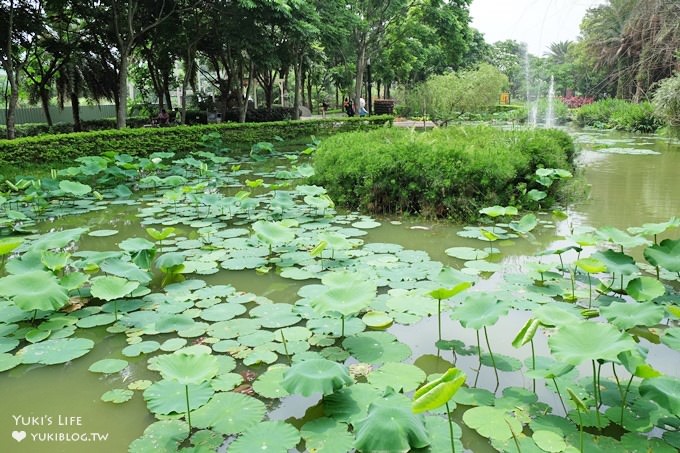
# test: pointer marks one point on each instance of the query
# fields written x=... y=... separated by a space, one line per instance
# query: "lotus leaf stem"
x=493 y=361
x=580 y=429
x=479 y=355
x=342 y=332
x=448 y=413
x=560 y=396
x=533 y=363
x=595 y=394
x=439 y=318
x=186 y=393
x=514 y=436
x=285 y=346
x=625 y=395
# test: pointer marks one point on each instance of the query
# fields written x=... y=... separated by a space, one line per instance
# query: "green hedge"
x=182 y=139
x=448 y=172
x=619 y=114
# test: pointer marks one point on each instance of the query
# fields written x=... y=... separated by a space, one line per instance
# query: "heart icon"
x=19 y=435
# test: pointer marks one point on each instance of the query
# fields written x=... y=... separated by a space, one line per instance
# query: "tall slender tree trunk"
x=298 y=83
x=45 y=101
x=75 y=107
x=309 y=93
x=361 y=67
x=121 y=105
x=13 y=101
x=244 y=106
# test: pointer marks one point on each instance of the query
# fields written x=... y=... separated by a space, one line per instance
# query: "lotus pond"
x=221 y=303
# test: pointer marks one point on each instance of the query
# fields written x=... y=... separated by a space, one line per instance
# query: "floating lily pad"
x=377 y=319
x=108 y=366
x=34 y=290
x=51 y=352
x=272 y=436
x=399 y=376
x=376 y=347
x=166 y=397
x=117 y=396
x=492 y=423
x=229 y=413
x=144 y=347
x=644 y=289
x=627 y=315
x=164 y=435
x=8 y=361
x=327 y=435
x=467 y=253
x=102 y=233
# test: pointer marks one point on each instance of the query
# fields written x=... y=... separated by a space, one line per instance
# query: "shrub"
x=445 y=97
x=666 y=100
x=182 y=139
x=619 y=114
x=448 y=172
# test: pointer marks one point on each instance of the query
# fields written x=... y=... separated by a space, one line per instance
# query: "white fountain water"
x=550 y=113
x=532 y=106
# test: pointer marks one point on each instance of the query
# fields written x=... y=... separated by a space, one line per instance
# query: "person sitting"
x=163 y=118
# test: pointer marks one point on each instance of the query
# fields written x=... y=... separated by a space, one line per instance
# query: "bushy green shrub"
x=444 y=98
x=448 y=172
x=619 y=114
x=182 y=139
x=666 y=100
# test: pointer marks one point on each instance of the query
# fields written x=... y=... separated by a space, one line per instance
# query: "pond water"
x=632 y=180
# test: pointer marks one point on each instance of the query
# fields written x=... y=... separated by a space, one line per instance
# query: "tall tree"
x=21 y=22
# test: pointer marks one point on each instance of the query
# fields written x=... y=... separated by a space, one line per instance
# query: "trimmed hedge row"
x=181 y=139
x=448 y=172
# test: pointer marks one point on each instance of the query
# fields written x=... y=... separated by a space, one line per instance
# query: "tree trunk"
x=121 y=105
x=361 y=67
x=75 y=107
x=45 y=101
x=298 y=81
x=309 y=93
x=11 y=119
x=244 y=106
x=303 y=101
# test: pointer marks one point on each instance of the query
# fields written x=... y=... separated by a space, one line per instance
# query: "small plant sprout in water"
x=446 y=293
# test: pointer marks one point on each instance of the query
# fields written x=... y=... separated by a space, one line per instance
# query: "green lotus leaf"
x=273 y=232
x=621 y=238
x=335 y=241
x=117 y=396
x=474 y=397
x=275 y=316
x=315 y=376
x=651 y=229
x=671 y=338
x=36 y=335
x=591 y=265
x=497 y=211
x=347 y=297
x=51 y=352
x=8 y=361
x=272 y=436
x=399 y=376
x=110 y=287
x=229 y=413
x=467 y=253
x=492 y=423
x=626 y=315
x=102 y=233
x=666 y=255
x=390 y=426
x=663 y=390
x=577 y=342
x=376 y=347
x=166 y=396
x=108 y=366
x=140 y=384
x=164 y=435
x=268 y=384
x=125 y=269
x=445 y=293
x=525 y=224
x=501 y=362
x=160 y=235
x=366 y=224
x=526 y=333
x=377 y=319
x=549 y=441
x=135 y=244
x=144 y=347
x=34 y=290
x=440 y=436
x=438 y=392
x=479 y=310
x=557 y=314
x=173 y=344
x=74 y=188
x=7 y=244
x=645 y=289
x=260 y=355
x=325 y=435
x=58 y=239
x=536 y=195
x=350 y=404
x=187 y=368
x=617 y=262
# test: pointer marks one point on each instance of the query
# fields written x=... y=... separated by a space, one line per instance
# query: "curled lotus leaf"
x=315 y=376
x=438 y=392
x=34 y=290
x=187 y=368
x=666 y=255
x=391 y=426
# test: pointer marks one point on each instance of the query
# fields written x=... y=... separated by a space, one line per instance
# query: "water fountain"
x=550 y=113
